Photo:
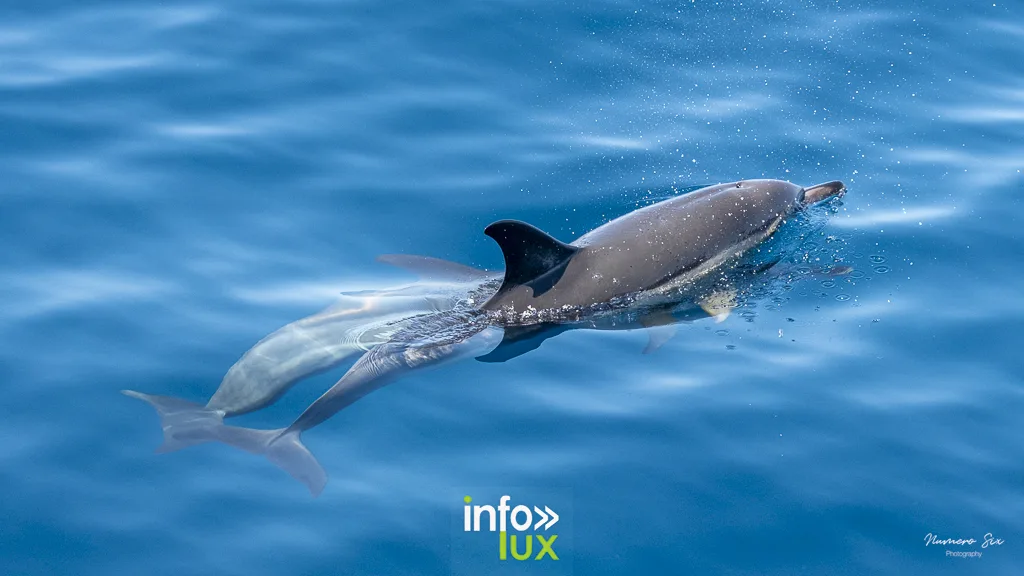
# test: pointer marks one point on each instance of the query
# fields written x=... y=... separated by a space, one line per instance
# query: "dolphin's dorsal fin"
x=529 y=252
x=429 y=268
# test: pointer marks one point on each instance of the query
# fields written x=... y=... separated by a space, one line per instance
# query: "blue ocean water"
x=181 y=179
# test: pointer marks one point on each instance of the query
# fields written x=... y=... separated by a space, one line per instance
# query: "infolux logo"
x=527 y=525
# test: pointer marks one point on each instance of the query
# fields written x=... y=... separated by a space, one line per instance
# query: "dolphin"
x=657 y=259
x=663 y=245
x=357 y=322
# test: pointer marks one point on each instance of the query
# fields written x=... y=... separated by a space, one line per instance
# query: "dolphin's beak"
x=821 y=192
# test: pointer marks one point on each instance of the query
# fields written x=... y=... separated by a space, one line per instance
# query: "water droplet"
x=881 y=269
x=828 y=284
x=877 y=259
x=722 y=332
x=842 y=297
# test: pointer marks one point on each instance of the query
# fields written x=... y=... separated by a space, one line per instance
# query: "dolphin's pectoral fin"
x=657 y=336
x=429 y=268
x=755 y=270
x=532 y=257
x=720 y=304
x=661 y=327
x=519 y=340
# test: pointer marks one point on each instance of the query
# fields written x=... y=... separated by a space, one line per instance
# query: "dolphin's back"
x=651 y=246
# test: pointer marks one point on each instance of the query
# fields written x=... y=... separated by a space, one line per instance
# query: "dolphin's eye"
x=739 y=184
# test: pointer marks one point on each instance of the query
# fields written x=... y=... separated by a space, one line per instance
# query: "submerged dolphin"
x=647 y=258
x=357 y=322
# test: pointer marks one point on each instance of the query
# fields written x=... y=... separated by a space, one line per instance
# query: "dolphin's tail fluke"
x=187 y=423
x=184 y=423
x=284 y=448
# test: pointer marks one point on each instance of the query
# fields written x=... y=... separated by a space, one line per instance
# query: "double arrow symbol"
x=544 y=518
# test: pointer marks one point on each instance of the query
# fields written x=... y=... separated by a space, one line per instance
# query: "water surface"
x=182 y=179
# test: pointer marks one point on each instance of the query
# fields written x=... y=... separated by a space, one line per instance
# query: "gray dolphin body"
x=663 y=245
x=646 y=256
x=357 y=322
